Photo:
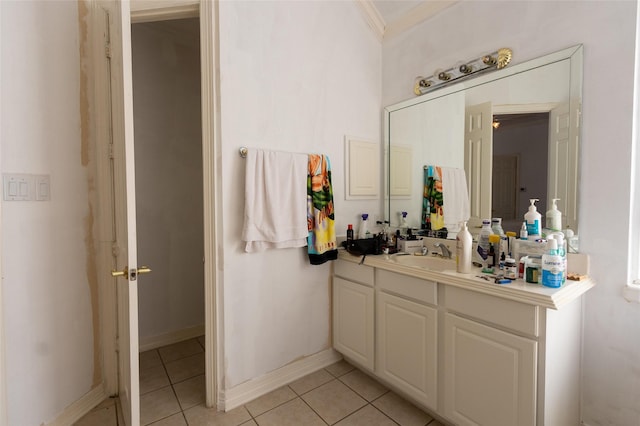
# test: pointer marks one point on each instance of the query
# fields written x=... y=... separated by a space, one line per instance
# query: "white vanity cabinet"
x=406 y=335
x=472 y=352
x=353 y=312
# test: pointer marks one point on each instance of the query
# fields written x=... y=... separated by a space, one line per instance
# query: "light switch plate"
x=26 y=187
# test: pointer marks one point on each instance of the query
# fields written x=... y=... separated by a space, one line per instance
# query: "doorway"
x=169 y=193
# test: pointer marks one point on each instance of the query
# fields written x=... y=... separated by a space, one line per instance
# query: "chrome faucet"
x=444 y=249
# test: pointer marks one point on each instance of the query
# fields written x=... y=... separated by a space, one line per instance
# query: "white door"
x=478 y=160
x=125 y=217
x=563 y=165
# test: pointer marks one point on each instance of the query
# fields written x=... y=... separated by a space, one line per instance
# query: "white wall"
x=47 y=283
x=166 y=71
x=295 y=76
x=607 y=30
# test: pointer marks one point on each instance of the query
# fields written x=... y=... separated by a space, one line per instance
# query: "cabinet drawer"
x=354 y=272
x=404 y=285
x=503 y=312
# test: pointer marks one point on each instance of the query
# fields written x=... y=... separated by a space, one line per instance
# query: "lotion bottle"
x=552 y=266
x=463 y=250
x=554 y=217
x=533 y=219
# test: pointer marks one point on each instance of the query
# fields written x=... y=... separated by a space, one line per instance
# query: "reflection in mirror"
x=531 y=153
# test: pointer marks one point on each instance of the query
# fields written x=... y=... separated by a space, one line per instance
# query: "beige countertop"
x=518 y=290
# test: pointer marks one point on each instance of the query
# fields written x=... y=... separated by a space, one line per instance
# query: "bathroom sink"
x=426 y=262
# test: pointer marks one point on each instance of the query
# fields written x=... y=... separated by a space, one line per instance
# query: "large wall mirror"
x=515 y=132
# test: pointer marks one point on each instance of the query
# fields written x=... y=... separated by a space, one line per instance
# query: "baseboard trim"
x=252 y=389
x=154 y=342
x=78 y=409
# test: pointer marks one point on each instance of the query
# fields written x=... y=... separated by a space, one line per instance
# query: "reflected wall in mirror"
x=531 y=153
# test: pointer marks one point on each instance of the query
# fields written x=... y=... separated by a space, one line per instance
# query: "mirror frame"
x=574 y=54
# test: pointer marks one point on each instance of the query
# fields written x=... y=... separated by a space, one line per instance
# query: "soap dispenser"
x=403 y=220
x=533 y=219
x=554 y=217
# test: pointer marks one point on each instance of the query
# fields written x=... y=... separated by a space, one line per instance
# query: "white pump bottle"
x=532 y=218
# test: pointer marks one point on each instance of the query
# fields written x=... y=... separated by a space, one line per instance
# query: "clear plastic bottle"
x=483 y=241
x=554 y=217
x=463 y=250
x=363 y=231
x=496 y=226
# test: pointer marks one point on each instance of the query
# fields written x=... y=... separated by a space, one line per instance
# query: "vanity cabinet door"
x=489 y=375
x=353 y=319
x=407 y=347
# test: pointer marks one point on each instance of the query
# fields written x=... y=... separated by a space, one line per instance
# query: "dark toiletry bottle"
x=349 y=233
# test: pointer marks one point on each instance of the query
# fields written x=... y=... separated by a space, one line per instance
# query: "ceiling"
x=391 y=17
x=392 y=10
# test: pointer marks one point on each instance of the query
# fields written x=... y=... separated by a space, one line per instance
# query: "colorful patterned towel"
x=432 y=205
x=321 y=242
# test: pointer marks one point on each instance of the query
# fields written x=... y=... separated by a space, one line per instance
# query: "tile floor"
x=172 y=394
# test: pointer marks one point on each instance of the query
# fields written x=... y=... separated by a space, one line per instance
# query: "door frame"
x=146 y=11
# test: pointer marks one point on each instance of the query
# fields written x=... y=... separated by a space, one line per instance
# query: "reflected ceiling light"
x=495 y=124
x=496 y=60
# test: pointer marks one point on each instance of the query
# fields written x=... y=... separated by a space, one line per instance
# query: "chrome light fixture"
x=496 y=60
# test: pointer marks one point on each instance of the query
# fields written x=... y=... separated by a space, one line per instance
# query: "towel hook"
x=243 y=151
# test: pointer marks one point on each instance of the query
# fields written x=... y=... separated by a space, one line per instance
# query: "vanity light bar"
x=498 y=60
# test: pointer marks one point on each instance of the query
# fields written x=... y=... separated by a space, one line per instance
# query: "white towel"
x=275 y=209
x=455 y=197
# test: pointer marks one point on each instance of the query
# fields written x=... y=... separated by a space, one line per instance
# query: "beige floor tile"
x=333 y=401
x=180 y=350
x=436 y=423
x=185 y=368
x=250 y=423
x=102 y=415
x=200 y=415
x=364 y=385
x=157 y=405
x=339 y=368
x=401 y=410
x=201 y=341
x=367 y=416
x=153 y=378
x=311 y=381
x=175 y=420
x=191 y=392
x=149 y=359
x=270 y=400
x=120 y=415
x=292 y=413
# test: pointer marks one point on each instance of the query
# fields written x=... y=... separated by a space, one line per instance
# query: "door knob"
x=133 y=272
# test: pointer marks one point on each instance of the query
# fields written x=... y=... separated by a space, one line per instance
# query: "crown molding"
x=415 y=16
x=373 y=17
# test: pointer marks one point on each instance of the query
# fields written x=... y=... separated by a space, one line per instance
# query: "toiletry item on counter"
x=533 y=219
x=533 y=269
x=410 y=246
x=363 y=231
x=510 y=268
x=349 y=232
x=552 y=266
x=523 y=231
x=483 y=242
x=521 y=266
x=511 y=237
x=403 y=220
x=494 y=251
x=496 y=226
x=553 y=217
x=463 y=249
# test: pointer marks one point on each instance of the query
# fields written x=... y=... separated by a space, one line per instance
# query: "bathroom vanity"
x=470 y=351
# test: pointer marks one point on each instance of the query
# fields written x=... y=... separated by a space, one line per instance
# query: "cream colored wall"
x=49 y=285
x=295 y=76
x=166 y=85
x=610 y=371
